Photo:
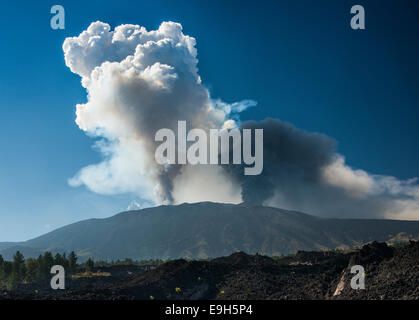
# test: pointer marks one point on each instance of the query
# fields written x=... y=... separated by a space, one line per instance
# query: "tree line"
x=35 y=270
x=21 y=270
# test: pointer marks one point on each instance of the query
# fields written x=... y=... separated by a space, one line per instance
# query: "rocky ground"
x=390 y=273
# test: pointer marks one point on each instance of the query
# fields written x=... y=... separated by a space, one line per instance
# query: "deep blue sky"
x=299 y=59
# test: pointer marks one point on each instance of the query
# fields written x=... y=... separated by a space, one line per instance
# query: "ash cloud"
x=289 y=155
x=304 y=172
x=140 y=81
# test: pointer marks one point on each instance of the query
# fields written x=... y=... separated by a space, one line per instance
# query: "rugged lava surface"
x=390 y=273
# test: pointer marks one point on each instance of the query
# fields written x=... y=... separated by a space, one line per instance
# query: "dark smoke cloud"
x=302 y=171
x=290 y=154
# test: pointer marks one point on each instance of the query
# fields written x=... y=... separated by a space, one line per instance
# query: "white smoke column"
x=138 y=82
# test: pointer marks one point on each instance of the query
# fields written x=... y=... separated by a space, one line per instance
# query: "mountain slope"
x=207 y=229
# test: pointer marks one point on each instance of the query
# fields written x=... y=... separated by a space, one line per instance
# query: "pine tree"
x=32 y=269
x=7 y=269
x=66 y=263
x=2 y=277
x=58 y=259
x=13 y=281
x=72 y=262
x=19 y=268
x=89 y=265
x=45 y=263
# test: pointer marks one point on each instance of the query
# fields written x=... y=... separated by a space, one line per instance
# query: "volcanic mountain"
x=206 y=229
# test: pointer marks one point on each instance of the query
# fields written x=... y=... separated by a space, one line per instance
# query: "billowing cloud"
x=304 y=172
x=140 y=81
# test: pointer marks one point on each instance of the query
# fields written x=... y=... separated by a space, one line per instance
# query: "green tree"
x=13 y=281
x=66 y=263
x=2 y=277
x=32 y=269
x=7 y=269
x=58 y=259
x=45 y=263
x=19 y=268
x=72 y=262
x=89 y=265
